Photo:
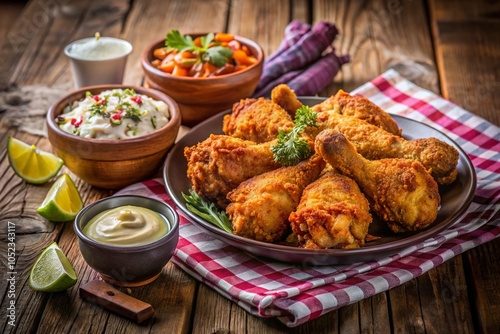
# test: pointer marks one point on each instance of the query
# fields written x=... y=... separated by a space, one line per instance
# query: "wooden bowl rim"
x=146 y=62
x=108 y=144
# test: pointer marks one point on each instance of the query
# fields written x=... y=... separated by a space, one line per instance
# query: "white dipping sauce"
x=99 y=49
x=114 y=114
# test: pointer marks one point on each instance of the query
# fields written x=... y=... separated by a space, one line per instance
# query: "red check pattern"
x=296 y=294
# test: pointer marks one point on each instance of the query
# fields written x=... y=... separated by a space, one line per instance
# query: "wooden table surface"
x=449 y=47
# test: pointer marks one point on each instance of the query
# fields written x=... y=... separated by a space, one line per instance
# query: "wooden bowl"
x=113 y=164
x=201 y=98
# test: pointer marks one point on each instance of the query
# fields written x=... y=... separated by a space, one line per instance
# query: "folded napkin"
x=304 y=55
x=296 y=294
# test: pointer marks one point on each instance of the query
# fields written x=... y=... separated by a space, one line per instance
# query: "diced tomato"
x=76 y=122
x=137 y=99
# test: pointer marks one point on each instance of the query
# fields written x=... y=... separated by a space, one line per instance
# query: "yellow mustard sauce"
x=126 y=225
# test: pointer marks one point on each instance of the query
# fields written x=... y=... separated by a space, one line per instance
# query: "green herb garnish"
x=291 y=148
x=217 y=55
x=131 y=128
x=207 y=211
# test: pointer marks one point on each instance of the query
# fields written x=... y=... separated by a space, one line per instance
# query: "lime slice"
x=31 y=164
x=52 y=271
x=62 y=202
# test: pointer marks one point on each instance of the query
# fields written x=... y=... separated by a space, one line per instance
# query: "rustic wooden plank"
x=482 y=267
x=374 y=34
x=9 y=14
x=374 y=314
x=406 y=316
x=466 y=43
x=445 y=299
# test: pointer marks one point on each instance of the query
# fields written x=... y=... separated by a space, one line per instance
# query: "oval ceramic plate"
x=455 y=199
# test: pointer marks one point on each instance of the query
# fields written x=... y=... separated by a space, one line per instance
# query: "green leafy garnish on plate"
x=291 y=147
x=217 y=55
x=207 y=211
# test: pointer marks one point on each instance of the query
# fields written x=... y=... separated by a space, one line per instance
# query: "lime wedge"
x=62 y=202
x=52 y=271
x=31 y=164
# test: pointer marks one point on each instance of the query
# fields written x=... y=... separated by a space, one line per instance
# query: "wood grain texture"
x=482 y=266
x=466 y=40
x=376 y=36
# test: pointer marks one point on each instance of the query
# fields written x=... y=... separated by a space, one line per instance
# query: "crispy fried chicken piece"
x=260 y=206
x=341 y=103
x=220 y=163
x=333 y=213
x=439 y=158
x=256 y=120
x=400 y=191
x=345 y=104
x=286 y=98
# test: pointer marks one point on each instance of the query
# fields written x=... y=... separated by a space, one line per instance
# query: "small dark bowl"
x=128 y=266
x=201 y=98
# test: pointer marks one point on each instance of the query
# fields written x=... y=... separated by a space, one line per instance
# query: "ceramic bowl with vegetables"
x=111 y=136
x=204 y=73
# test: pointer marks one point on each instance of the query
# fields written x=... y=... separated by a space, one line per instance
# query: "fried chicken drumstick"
x=400 y=191
x=260 y=206
x=439 y=158
x=220 y=163
x=333 y=213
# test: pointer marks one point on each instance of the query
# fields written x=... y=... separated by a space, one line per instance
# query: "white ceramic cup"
x=98 y=61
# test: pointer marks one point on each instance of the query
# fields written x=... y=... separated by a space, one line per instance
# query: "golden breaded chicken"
x=439 y=158
x=260 y=206
x=256 y=120
x=220 y=163
x=333 y=213
x=400 y=191
x=345 y=104
x=286 y=98
x=341 y=103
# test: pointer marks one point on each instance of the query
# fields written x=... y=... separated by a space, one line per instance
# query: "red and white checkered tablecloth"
x=296 y=294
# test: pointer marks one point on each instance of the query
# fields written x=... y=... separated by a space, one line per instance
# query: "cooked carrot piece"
x=188 y=54
x=242 y=58
x=180 y=71
x=160 y=53
x=197 y=41
x=167 y=66
x=223 y=37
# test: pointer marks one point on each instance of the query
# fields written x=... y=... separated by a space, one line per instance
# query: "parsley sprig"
x=217 y=55
x=291 y=148
x=207 y=211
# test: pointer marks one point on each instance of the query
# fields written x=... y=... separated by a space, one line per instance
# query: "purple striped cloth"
x=293 y=32
x=305 y=56
x=296 y=294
